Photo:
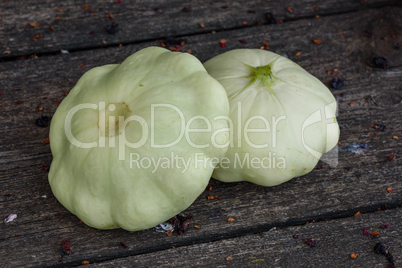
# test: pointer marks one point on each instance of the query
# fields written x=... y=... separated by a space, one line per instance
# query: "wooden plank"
x=335 y=241
x=139 y=21
x=359 y=182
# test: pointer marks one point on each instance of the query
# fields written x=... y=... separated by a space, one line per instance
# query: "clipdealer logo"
x=115 y=117
x=112 y=127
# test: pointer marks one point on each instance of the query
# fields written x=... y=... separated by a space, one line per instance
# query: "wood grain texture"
x=335 y=241
x=139 y=21
x=358 y=183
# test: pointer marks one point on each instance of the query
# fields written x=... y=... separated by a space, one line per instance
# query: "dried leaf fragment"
x=365 y=232
x=379 y=127
x=66 y=247
x=317 y=41
x=391 y=157
x=385 y=226
x=37 y=36
x=265 y=45
x=222 y=42
x=311 y=242
x=181 y=223
x=337 y=83
x=112 y=28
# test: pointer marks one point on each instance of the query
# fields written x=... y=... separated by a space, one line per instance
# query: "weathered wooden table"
x=45 y=46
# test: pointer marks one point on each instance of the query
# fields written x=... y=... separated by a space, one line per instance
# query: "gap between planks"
x=264 y=229
x=114 y=45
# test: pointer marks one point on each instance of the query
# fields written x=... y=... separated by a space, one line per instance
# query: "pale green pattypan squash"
x=135 y=143
x=282 y=118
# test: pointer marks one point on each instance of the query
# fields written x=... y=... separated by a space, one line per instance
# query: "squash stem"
x=263 y=75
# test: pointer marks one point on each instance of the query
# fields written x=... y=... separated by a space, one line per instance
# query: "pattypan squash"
x=282 y=118
x=136 y=143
